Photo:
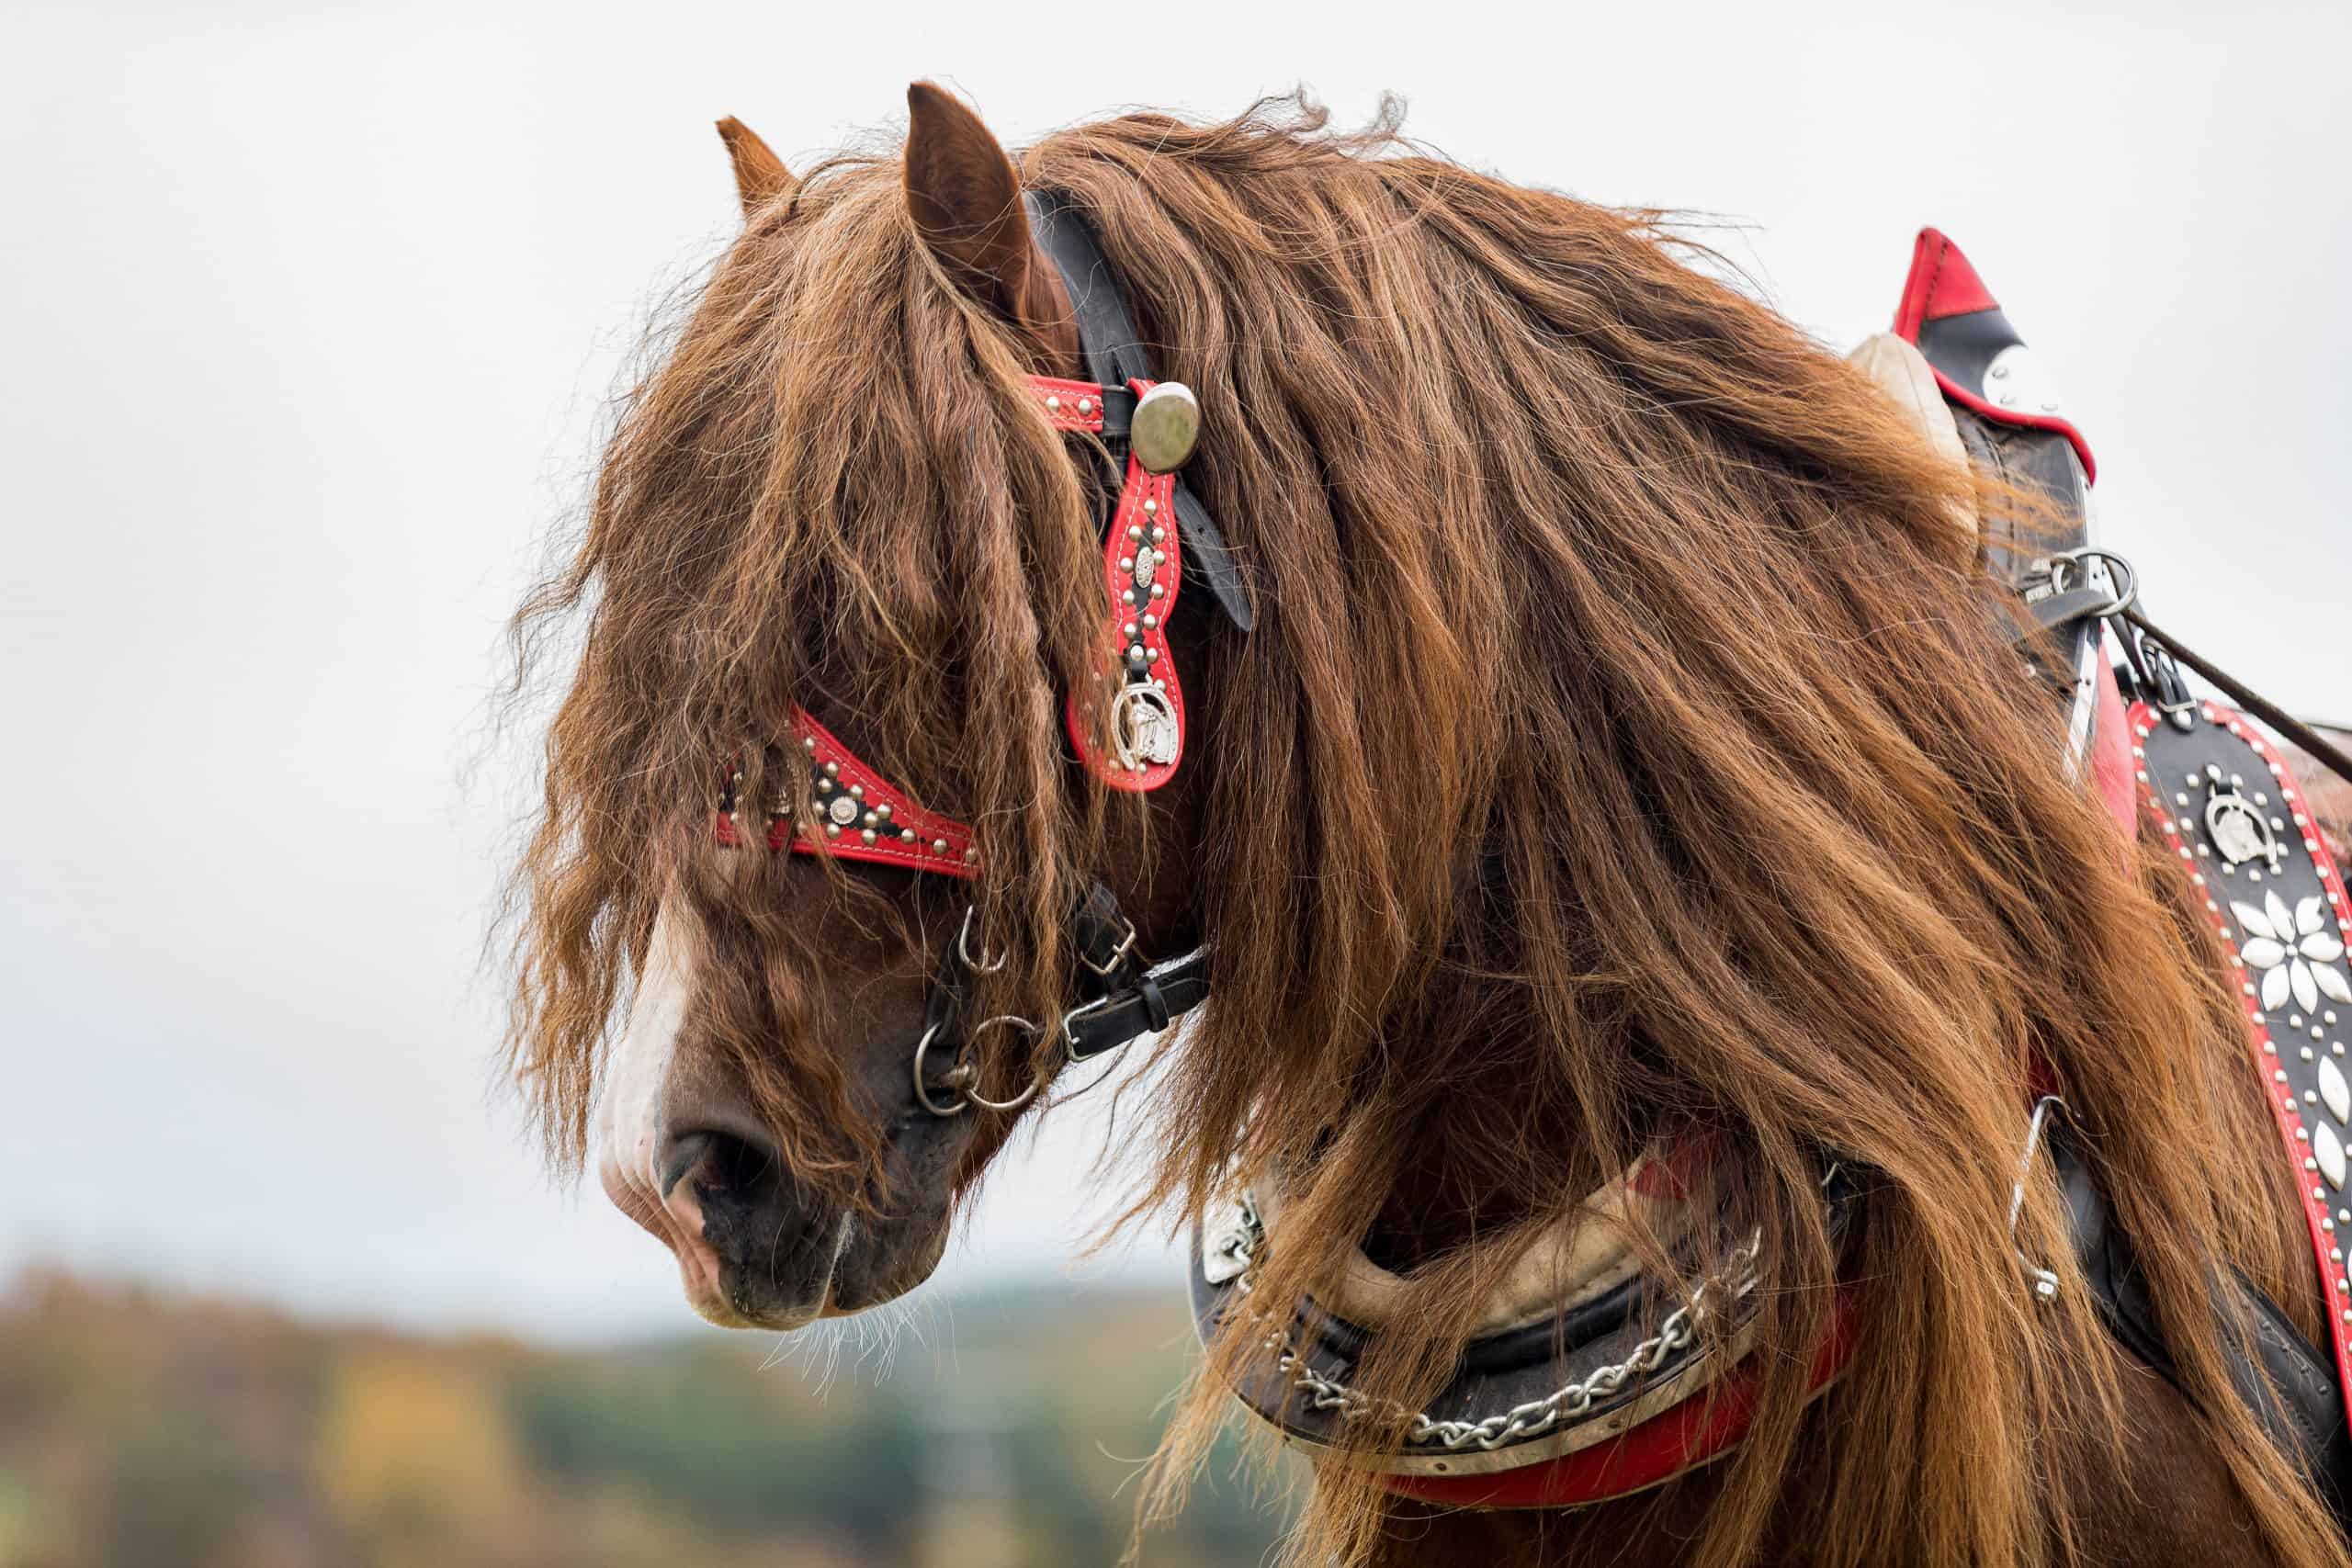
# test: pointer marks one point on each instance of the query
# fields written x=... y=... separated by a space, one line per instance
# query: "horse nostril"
x=721 y=1163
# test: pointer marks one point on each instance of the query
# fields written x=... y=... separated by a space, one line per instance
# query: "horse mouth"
x=755 y=1250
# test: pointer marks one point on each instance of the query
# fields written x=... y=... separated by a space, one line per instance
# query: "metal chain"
x=1681 y=1326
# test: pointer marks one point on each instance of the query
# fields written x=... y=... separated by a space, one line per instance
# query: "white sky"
x=306 y=314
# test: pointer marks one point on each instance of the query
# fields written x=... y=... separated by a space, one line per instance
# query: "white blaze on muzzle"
x=628 y=1121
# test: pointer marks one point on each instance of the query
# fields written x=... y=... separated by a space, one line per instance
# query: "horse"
x=1615 y=838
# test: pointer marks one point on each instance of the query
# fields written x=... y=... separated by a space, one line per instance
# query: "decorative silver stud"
x=1165 y=427
x=939 y=846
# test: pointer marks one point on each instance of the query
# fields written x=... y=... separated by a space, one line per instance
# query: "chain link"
x=1243 y=1243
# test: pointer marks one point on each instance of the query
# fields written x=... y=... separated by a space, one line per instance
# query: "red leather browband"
x=857 y=814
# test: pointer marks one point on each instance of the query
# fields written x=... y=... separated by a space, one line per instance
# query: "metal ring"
x=963 y=947
x=1018 y=1101
x=2126 y=595
x=958 y=1078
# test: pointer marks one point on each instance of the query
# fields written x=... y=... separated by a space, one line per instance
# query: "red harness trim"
x=884 y=825
x=879 y=824
x=2327 y=1248
x=1069 y=405
x=1144 y=520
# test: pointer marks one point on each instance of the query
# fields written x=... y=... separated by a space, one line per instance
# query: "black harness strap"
x=2321 y=749
x=2289 y=1383
x=1115 y=355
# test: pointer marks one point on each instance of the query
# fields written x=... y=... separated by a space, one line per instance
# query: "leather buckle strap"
x=1107 y=938
x=1156 y=999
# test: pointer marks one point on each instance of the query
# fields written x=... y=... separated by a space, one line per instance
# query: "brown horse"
x=1619 y=763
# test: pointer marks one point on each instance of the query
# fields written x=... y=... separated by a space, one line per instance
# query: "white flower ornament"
x=2293 y=951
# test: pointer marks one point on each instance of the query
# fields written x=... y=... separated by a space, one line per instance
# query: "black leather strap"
x=1122 y=997
x=1156 y=998
x=2289 y=1386
x=1116 y=354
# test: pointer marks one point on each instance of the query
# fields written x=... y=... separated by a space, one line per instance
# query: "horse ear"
x=760 y=174
x=965 y=202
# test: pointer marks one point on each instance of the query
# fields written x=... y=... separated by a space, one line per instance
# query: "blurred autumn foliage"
x=140 y=1430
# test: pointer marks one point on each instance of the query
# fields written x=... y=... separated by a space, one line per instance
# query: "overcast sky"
x=309 y=313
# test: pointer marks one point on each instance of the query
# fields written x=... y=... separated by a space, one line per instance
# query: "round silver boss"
x=1166 y=427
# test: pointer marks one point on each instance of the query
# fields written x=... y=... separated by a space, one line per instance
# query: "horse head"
x=784 y=1103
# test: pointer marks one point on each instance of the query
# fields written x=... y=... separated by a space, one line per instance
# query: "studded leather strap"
x=856 y=814
x=2231 y=812
x=1143 y=571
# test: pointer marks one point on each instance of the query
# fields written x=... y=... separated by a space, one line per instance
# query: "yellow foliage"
x=413 y=1454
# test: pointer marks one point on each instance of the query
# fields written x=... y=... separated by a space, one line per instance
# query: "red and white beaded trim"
x=857 y=814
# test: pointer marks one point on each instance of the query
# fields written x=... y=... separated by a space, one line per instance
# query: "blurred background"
x=311 y=315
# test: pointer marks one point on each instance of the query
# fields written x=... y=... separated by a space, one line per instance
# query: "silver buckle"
x=1118 y=954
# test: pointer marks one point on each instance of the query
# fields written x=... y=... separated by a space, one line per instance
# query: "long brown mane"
x=1622 y=756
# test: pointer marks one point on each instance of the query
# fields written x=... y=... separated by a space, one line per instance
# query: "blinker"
x=1165 y=427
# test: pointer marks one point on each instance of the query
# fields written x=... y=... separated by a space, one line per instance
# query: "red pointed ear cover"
x=1942 y=285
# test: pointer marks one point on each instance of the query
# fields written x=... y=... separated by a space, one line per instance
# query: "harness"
x=1128 y=729
x=1601 y=1396
x=1613 y=1395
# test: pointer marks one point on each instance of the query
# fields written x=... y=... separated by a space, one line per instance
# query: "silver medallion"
x=1143 y=727
x=2240 y=832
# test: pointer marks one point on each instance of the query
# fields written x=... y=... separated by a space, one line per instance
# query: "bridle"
x=1128 y=729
